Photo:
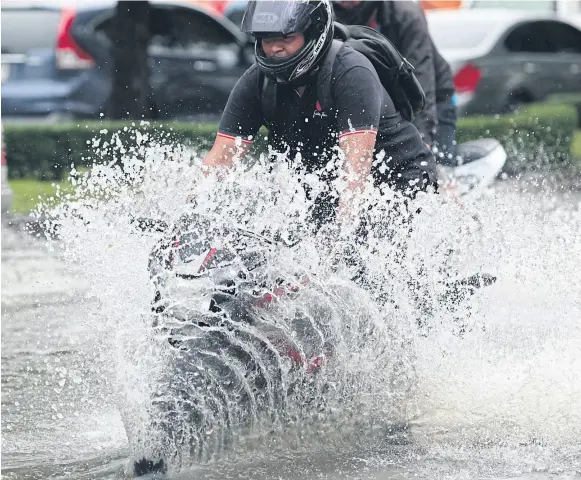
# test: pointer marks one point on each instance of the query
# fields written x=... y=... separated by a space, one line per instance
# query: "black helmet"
x=267 y=18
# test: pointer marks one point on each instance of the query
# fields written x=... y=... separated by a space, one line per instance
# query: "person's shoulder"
x=248 y=81
x=252 y=71
x=407 y=8
x=406 y=14
x=348 y=59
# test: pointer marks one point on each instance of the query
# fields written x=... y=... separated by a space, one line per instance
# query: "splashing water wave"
x=466 y=372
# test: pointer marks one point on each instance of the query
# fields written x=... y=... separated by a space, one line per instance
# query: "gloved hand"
x=191 y=198
x=336 y=247
x=328 y=235
x=149 y=224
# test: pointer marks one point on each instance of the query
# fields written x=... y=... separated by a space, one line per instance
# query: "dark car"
x=6 y=190
x=56 y=62
x=234 y=11
x=502 y=59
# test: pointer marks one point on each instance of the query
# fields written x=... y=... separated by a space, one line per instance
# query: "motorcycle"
x=244 y=350
x=250 y=344
x=480 y=163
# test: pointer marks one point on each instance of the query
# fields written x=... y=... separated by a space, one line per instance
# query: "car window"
x=532 y=5
x=188 y=32
x=450 y=34
x=528 y=38
x=181 y=32
x=566 y=38
x=40 y=25
x=544 y=37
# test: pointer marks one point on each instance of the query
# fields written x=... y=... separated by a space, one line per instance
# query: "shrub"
x=538 y=137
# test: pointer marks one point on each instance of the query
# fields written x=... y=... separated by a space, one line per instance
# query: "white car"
x=568 y=10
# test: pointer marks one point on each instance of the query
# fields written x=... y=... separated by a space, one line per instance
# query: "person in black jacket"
x=404 y=24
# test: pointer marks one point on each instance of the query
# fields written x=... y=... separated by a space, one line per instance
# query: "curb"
x=24 y=223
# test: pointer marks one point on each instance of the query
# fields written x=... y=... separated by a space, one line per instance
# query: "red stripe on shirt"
x=232 y=137
x=354 y=132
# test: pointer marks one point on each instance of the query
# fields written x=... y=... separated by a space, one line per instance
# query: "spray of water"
x=379 y=333
x=509 y=393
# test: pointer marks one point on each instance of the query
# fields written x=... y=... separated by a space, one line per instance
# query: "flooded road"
x=60 y=420
x=56 y=407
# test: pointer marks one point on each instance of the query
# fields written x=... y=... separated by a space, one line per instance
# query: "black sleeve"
x=407 y=22
x=242 y=115
x=444 y=79
x=358 y=100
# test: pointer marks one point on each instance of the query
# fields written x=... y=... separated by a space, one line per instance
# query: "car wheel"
x=515 y=102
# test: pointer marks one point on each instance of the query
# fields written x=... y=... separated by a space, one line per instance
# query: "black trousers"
x=445 y=137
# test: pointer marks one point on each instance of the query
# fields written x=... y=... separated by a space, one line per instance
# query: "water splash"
x=506 y=399
x=464 y=374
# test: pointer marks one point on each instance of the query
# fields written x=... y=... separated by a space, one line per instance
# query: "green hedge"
x=47 y=152
x=538 y=137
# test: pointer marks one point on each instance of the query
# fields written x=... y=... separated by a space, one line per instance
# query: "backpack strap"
x=325 y=76
x=267 y=88
x=267 y=94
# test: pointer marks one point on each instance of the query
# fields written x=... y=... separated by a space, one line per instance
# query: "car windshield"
x=532 y=5
x=39 y=24
x=456 y=34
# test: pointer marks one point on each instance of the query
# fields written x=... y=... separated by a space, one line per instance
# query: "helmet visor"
x=276 y=17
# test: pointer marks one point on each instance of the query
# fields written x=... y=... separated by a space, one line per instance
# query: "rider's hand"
x=347 y=214
x=328 y=235
x=191 y=198
x=333 y=243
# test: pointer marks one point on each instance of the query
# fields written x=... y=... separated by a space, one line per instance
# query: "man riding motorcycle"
x=292 y=40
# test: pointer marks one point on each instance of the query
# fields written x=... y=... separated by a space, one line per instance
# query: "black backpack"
x=395 y=72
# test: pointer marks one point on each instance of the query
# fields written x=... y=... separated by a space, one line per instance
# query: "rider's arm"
x=225 y=149
x=358 y=148
x=359 y=97
x=240 y=122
